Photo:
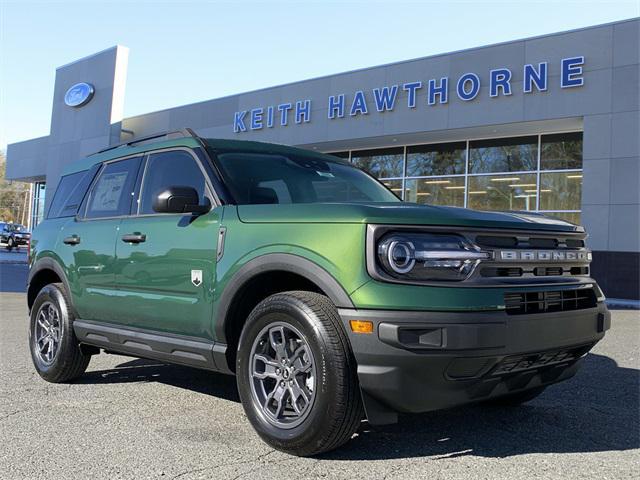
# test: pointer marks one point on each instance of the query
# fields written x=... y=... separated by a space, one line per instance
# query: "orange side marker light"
x=361 y=326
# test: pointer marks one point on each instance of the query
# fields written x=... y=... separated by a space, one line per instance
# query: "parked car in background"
x=14 y=235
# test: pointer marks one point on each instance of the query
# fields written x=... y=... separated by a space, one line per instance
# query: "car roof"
x=188 y=142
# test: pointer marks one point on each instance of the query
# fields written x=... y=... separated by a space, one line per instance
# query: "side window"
x=70 y=192
x=111 y=194
x=166 y=169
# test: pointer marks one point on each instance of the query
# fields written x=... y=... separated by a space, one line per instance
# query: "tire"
x=10 y=244
x=65 y=361
x=516 y=399
x=329 y=408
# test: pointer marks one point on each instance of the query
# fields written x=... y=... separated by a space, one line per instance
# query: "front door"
x=166 y=262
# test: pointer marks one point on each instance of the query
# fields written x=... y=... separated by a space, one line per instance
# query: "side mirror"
x=178 y=199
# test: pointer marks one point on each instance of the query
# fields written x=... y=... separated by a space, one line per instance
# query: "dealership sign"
x=433 y=92
x=79 y=94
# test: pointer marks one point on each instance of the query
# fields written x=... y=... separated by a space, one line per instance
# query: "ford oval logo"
x=79 y=94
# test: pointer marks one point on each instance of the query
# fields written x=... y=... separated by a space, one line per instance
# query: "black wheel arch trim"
x=274 y=262
x=47 y=263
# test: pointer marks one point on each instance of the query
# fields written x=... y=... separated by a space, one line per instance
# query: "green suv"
x=329 y=298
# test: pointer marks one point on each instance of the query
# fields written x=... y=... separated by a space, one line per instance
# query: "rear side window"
x=69 y=194
x=167 y=169
x=112 y=193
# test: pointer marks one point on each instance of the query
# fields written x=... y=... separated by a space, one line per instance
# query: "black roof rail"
x=184 y=132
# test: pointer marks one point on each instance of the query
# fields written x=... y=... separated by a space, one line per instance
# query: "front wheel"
x=10 y=244
x=297 y=376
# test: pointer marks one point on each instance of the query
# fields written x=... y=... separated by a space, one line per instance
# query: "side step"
x=183 y=350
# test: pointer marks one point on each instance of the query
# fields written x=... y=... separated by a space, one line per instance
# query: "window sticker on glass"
x=325 y=174
x=108 y=192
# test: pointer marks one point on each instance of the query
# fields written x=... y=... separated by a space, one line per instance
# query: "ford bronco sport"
x=328 y=297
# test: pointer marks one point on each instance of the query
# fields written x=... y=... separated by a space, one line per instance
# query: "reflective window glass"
x=562 y=150
x=560 y=191
x=436 y=191
x=503 y=155
x=395 y=186
x=65 y=188
x=502 y=192
x=167 y=169
x=436 y=159
x=111 y=195
x=381 y=163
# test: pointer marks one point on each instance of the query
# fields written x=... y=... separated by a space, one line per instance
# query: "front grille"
x=528 y=241
x=549 y=301
x=501 y=272
x=537 y=256
x=547 y=271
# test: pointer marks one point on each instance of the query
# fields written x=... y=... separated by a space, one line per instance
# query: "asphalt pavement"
x=134 y=419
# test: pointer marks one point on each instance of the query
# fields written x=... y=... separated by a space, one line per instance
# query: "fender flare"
x=47 y=263
x=271 y=262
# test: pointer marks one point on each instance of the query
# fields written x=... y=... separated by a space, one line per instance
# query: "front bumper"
x=422 y=361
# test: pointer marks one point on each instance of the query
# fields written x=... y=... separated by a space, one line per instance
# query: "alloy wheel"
x=282 y=374
x=47 y=333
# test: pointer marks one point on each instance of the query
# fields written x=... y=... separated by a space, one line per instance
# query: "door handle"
x=71 y=240
x=134 y=238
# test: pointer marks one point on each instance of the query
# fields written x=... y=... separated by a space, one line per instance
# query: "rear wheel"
x=516 y=399
x=55 y=350
x=297 y=376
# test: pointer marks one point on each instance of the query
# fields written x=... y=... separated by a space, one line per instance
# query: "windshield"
x=18 y=228
x=258 y=178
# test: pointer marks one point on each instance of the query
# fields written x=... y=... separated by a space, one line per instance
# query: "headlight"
x=428 y=256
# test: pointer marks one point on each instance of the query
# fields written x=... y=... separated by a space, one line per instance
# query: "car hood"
x=399 y=213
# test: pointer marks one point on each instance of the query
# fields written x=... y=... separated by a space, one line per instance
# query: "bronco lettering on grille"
x=544 y=256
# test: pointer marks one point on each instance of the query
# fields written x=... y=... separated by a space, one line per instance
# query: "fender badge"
x=196 y=277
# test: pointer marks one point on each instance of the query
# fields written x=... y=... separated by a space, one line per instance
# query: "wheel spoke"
x=41 y=341
x=55 y=333
x=297 y=393
x=270 y=369
x=299 y=362
x=278 y=341
x=42 y=320
x=277 y=396
x=50 y=349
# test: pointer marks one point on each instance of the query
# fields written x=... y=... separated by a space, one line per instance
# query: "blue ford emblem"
x=79 y=94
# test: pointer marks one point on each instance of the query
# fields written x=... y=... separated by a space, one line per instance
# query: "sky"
x=188 y=51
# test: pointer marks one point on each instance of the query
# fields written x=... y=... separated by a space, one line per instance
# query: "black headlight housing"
x=427 y=256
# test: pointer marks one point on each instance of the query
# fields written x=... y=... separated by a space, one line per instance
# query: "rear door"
x=166 y=262
x=87 y=242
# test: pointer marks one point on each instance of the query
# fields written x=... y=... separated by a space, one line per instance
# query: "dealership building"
x=547 y=124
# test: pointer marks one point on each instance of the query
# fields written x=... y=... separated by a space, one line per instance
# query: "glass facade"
x=37 y=203
x=537 y=172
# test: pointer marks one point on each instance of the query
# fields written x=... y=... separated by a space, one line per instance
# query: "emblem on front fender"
x=196 y=277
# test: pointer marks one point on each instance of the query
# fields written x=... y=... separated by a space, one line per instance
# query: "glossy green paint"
x=148 y=285
x=155 y=289
x=398 y=213
x=90 y=265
